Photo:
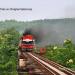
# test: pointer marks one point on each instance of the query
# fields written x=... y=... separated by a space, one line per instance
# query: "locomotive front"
x=27 y=43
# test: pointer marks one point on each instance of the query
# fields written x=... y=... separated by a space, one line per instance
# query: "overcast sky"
x=41 y=9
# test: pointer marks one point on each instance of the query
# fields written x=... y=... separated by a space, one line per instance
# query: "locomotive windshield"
x=27 y=42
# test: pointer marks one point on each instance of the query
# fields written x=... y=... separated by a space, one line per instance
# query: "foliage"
x=8 y=51
x=63 y=55
x=9 y=38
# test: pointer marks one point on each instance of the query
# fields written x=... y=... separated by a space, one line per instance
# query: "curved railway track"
x=60 y=67
x=47 y=67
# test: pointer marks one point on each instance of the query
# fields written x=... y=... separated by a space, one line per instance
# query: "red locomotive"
x=27 y=43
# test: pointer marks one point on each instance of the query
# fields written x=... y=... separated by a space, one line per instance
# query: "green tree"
x=8 y=51
x=64 y=55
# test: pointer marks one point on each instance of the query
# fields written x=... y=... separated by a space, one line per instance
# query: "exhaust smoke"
x=37 y=34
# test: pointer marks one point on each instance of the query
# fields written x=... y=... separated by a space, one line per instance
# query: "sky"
x=41 y=9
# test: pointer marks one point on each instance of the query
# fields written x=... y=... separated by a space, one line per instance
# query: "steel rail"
x=47 y=65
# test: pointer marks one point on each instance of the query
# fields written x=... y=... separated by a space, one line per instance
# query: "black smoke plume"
x=37 y=34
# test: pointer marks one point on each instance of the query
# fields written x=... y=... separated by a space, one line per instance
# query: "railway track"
x=60 y=67
x=47 y=67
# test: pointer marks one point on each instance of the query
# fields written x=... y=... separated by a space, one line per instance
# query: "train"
x=27 y=43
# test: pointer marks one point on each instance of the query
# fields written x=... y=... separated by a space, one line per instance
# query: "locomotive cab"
x=27 y=43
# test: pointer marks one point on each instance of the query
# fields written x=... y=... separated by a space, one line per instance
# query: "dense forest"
x=8 y=51
x=61 y=53
x=21 y=25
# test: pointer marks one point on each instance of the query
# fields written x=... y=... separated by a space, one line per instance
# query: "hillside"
x=53 y=30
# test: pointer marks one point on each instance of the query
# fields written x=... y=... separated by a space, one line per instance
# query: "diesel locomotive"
x=27 y=43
